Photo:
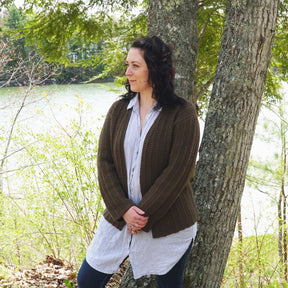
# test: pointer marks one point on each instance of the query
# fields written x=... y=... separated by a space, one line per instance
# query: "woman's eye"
x=132 y=65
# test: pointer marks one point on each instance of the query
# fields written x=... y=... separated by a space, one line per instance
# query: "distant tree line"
x=15 y=49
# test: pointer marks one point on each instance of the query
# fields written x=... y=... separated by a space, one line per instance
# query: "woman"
x=147 y=150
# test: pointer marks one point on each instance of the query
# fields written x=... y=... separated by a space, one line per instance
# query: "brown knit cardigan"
x=168 y=157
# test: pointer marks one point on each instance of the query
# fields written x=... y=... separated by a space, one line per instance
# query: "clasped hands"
x=135 y=220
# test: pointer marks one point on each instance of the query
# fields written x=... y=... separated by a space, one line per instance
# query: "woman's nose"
x=128 y=71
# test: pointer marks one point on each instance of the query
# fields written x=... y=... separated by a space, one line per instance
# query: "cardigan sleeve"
x=174 y=178
x=113 y=194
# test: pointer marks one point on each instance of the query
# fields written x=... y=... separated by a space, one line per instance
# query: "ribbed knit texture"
x=168 y=157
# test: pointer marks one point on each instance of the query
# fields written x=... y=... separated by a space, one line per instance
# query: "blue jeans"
x=91 y=278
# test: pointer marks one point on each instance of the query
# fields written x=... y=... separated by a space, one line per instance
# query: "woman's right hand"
x=135 y=219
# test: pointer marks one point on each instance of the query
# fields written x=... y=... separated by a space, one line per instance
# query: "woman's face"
x=137 y=72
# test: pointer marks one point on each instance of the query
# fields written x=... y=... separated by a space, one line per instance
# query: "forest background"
x=48 y=42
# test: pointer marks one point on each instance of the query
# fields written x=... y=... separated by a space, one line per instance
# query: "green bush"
x=56 y=205
x=258 y=257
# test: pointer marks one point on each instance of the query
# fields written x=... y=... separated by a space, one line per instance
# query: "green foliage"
x=17 y=58
x=85 y=36
x=5 y=4
x=20 y=64
x=278 y=70
x=12 y=48
x=210 y=28
x=15 y=18
x=61 y=29
x=69 y=284
x=115 y=48
x=56 y=25
x=259 y=260
x=267 y=174
x=57 y=205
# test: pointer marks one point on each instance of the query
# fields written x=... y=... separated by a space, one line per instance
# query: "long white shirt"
x=147 y=255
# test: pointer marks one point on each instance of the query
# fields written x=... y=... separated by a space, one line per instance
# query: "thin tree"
x=30 y=71
x=282 y=201
x=240 y=242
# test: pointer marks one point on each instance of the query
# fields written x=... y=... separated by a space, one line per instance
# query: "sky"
x=19 y=3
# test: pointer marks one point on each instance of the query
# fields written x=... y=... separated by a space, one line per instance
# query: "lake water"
x=47 y=105
x=57 y=103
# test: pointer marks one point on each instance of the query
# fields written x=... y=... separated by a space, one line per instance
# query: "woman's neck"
x=146 y=101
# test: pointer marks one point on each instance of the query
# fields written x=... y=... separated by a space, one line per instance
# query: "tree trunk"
x=175 y=21
x=229 y=129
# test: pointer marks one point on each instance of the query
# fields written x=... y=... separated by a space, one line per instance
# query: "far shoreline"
x=53 y=81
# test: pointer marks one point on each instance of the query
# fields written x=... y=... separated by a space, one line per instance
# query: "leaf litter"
x=51 y=273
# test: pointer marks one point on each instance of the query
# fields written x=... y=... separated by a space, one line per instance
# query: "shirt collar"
x=134 y=103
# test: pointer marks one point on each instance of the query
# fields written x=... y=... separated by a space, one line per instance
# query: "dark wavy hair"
x=158 y=58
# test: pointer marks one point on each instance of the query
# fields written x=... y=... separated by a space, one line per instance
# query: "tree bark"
x=227 y=139
x=175 y=21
